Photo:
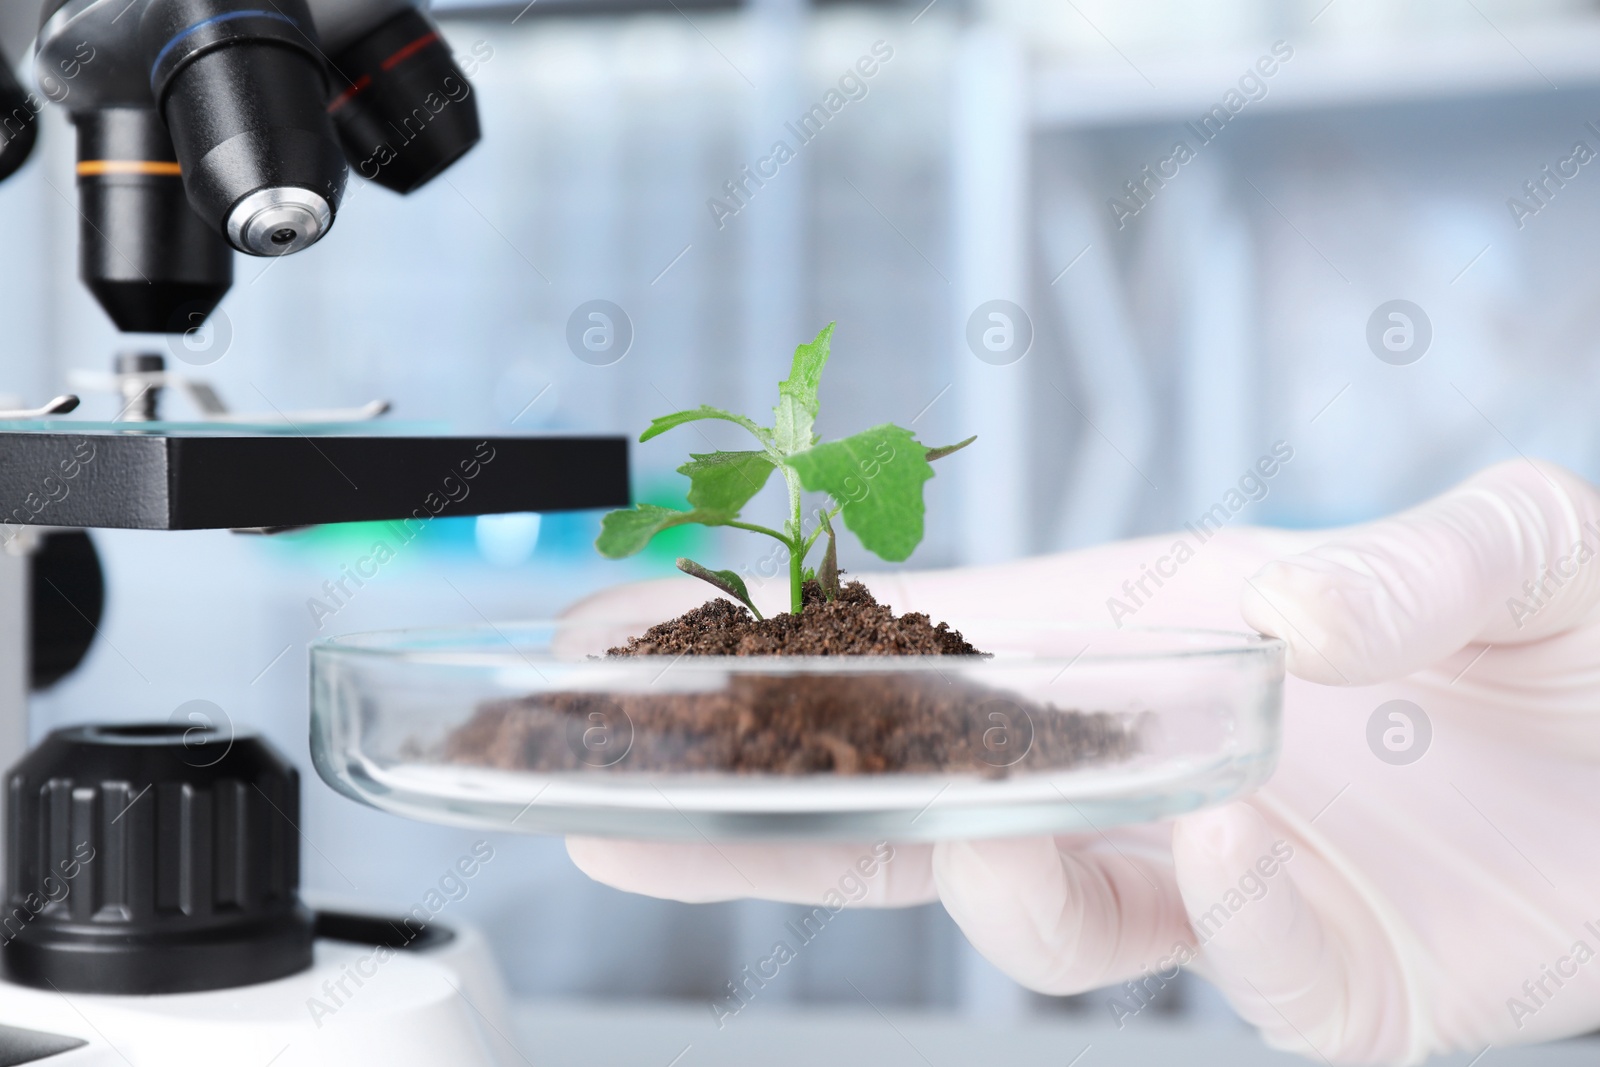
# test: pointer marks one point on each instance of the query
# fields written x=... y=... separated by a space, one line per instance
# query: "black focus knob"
x=149 y=859
x=243 y=90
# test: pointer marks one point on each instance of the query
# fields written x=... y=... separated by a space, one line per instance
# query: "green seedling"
x=873 y=479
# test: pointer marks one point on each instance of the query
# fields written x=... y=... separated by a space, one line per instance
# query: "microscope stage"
x=195 y=476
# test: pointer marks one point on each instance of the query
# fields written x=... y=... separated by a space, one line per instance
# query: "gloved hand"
x=1354 y=909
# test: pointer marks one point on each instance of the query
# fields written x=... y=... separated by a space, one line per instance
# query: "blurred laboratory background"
x=1132 y=246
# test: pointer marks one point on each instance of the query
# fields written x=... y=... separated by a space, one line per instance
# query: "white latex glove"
x=1444 y=904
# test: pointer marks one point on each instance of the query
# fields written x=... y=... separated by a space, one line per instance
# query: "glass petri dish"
x=529 y=727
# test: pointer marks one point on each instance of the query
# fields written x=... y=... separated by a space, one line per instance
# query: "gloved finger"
x=1281 y=962
x=1503 y=557
x=869 y=875
x=1062 y=915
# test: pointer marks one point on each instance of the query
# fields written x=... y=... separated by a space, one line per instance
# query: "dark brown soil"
x=853 y=624
x=855 y=722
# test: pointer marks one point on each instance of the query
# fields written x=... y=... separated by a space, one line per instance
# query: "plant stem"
x=795 y=582
x=797 y=541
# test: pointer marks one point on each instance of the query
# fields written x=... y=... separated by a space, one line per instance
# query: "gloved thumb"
x=1507 y=556
x=1289 y=964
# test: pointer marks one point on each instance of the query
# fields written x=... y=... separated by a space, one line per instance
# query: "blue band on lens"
x=203 y=23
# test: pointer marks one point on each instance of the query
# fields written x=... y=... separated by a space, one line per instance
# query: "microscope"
x=151 y=912
x=208 y=127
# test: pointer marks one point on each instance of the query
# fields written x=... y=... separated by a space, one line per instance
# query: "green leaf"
x=796 y=412
x=876 y=476
x=625 y=532
x=828 y=572
x=720 y=483
x=940 y=453
x=727 y=581
x=660 y=426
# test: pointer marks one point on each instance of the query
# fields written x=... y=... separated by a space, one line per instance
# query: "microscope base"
x=357 y=1004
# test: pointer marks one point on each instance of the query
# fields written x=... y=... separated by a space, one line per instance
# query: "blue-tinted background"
x=1228 y=313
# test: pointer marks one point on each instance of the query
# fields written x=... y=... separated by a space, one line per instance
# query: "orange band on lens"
x=93 y=168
